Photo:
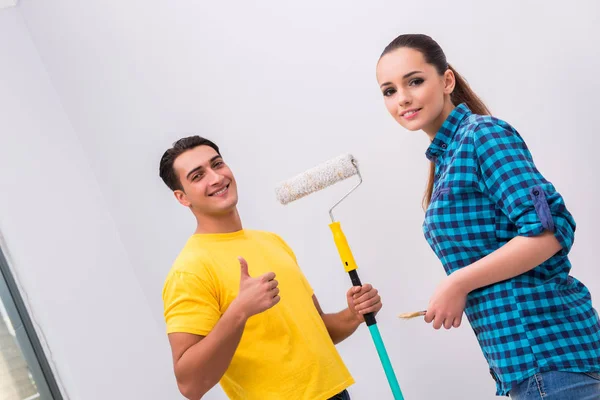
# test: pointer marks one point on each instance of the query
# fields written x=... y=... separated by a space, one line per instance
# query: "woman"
x=500 y=229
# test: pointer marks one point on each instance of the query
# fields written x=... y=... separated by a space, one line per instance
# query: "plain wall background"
x=280 y=87
x=63 y=244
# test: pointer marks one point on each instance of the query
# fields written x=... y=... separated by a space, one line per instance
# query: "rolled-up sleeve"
x=510 y=177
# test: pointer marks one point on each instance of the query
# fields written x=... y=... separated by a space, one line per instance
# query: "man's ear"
x=182 y=198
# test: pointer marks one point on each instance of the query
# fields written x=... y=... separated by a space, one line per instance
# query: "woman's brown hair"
x=434 y=55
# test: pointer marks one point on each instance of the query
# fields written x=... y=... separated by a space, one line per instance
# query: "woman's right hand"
x=447 y=304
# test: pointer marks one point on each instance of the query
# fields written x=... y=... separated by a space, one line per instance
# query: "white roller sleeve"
x=316 y=178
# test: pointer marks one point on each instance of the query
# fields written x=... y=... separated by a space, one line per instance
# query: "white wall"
x=282 y=87
x=63 y=245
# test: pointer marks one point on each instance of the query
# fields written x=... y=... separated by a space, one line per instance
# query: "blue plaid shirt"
x=487 y=190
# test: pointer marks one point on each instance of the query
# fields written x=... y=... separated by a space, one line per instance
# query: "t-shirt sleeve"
x=190 y=303
x=289 y=250
x=513 y=182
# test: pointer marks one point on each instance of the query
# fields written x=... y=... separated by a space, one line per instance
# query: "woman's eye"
x=389 y=91
x=416 y=82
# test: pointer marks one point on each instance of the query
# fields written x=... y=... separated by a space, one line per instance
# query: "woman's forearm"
x=516 y=257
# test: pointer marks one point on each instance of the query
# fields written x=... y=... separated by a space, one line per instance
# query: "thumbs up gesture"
x=256 y=294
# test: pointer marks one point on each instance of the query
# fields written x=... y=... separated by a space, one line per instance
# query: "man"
x=225 y=318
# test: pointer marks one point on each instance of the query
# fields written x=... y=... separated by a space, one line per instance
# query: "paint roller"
x=321 y=177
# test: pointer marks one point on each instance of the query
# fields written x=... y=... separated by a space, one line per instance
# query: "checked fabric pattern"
x=487 y=190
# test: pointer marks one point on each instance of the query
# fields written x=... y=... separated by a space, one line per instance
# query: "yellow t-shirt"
x=285 y=352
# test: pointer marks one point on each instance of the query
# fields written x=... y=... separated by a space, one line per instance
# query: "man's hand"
x=363 y=300
x=256 y=294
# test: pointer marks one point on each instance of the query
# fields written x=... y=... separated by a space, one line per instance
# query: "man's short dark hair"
x=166 y=170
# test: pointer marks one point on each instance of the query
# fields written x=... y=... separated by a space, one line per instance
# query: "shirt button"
x=536 y=192
x=444 y=145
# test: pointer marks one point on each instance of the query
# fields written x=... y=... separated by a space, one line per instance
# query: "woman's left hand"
x=447 y=304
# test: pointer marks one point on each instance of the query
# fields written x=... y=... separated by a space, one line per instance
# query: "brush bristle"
x=412 y=314
x=316 y=178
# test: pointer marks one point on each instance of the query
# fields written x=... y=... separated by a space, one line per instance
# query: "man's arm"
x=201 y=361
x=361 y=300
x=339 y=325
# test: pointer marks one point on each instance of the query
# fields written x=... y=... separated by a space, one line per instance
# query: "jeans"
x=559 y=385
x=341 y=396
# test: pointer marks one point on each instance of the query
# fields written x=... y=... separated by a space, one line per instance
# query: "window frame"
x=26 y=335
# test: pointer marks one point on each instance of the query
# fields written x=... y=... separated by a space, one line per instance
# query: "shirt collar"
x=444 y=135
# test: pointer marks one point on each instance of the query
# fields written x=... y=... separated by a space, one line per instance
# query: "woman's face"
x=414 y=93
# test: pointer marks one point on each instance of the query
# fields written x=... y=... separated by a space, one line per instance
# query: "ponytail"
x=463 y=94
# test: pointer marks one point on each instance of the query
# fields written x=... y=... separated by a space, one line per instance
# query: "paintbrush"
x=412 y=314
